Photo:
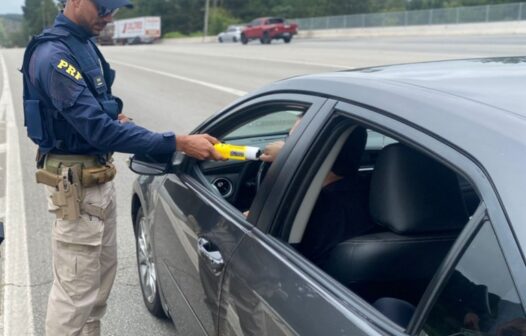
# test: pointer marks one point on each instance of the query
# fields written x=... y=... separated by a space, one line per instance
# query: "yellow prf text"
x=70 y=69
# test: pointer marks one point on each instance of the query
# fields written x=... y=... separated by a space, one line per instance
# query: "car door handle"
x=210 y=254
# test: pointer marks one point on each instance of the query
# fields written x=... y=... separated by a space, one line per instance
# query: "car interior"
x=407 y=210
x=379 y=216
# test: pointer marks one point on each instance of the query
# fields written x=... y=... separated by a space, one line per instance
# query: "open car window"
x=237 y=181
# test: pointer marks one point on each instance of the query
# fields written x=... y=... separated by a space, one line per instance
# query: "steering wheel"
x=262 y=171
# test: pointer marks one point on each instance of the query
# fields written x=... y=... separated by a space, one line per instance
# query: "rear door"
x=196 y=229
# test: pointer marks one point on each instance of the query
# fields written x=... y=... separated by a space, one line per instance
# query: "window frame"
x=221 y=123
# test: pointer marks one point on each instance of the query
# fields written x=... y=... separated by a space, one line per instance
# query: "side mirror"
x=151 y=164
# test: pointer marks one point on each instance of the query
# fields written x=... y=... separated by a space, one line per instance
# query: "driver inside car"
x=341 y=210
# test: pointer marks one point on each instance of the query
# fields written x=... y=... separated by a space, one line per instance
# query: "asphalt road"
x=175 y=87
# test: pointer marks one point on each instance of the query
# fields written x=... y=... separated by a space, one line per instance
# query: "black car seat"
x=417 y=201
x=328 y=224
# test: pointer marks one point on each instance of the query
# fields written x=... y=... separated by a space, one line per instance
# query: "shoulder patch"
x=68 y=69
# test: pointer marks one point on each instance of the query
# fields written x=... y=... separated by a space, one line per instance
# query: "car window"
x=275 y=20
x=377 y=141
x=479 y=298
x=275 y=123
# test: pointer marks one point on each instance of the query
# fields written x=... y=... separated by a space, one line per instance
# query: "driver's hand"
x=472 y=321
x=271 y=151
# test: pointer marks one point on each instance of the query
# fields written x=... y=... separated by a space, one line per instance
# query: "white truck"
x=146 y=29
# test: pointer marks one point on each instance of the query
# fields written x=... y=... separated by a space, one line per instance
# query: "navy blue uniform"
x=69 y=108
x=78 y=112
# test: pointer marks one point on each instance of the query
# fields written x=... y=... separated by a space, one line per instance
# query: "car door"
x=195 y=229
x=258 y=28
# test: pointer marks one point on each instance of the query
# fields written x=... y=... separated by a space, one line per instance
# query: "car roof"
x=475 y=79
x=476 y=105
x=472 y=79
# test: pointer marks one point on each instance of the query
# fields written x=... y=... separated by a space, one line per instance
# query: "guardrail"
x=458 y=15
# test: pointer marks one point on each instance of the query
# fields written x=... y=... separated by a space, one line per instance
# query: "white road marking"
x=18 y=314
x=3 y=148
x=186 y=79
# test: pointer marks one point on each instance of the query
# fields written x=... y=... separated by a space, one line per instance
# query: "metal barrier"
x=473 y=14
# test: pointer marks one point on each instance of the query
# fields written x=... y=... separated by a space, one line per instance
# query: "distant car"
x=232 y=34
x=424 y=235
x=267 y=29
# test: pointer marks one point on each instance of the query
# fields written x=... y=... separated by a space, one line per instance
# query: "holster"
x=47 y=178
x=67 y=195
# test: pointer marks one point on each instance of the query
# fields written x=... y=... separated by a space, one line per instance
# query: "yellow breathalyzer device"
x=234 y=152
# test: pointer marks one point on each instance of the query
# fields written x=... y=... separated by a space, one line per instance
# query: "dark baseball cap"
x=114 y=4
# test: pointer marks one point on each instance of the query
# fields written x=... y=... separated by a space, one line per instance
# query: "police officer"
x=71 y=113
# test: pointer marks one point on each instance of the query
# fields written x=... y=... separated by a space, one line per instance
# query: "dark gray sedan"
x=396 y=207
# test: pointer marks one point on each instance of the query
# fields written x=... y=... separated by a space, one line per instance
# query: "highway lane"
x=175 y=87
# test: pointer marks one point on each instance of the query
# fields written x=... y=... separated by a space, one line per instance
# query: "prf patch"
x=69 y=69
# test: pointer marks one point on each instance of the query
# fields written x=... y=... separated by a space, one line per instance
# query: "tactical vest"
x=45 y=126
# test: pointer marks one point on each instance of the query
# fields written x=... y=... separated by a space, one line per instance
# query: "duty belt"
x=92 y=172
x=69 y=175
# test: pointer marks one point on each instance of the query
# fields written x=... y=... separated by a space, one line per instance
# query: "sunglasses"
x=103 y=11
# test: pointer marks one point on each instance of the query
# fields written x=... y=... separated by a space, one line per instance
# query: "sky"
x=11 y=6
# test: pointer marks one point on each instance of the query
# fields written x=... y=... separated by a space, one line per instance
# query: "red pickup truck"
x=267 y=29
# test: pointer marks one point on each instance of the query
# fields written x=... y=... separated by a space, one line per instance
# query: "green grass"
x=3 y=39
x=181 y=35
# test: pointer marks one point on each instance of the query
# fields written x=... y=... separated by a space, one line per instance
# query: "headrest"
x=412 y=193
x=348 y=161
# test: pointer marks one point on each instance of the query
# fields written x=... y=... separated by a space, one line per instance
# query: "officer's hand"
x=123 y=118
x=199 y=146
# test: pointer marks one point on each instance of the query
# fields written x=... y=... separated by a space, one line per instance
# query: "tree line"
x=186 y=16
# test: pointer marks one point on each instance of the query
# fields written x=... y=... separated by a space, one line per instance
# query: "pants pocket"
x=100 y=195
x=87 y=230
x=77 y=269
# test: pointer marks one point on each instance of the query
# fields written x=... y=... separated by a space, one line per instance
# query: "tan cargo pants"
x=84 y=266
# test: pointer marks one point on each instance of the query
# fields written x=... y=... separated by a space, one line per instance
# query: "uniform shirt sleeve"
x=58 y=76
